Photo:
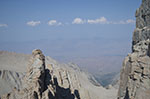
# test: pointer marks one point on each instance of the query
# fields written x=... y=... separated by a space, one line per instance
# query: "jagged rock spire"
x=142 y=31
x=34 y=80
x=35 y=76
x=41 y=83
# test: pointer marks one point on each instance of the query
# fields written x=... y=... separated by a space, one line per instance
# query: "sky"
x=29 y=20
x=83 y=31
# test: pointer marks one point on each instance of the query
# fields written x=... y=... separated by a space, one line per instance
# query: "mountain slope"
x=46 y=78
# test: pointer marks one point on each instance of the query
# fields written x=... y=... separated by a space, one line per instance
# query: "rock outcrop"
x=40 y=83
x=135 y=74
x=46 y=78
x=33 y=85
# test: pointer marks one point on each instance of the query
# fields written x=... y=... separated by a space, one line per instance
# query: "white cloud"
x=54 y=22
x=3 y=25
x=120 y=22
x=78 y=21
x=130 y=21
x=101 y=20
x=33 y=23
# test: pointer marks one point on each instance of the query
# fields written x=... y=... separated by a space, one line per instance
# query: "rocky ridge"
x=47 y=79
x=39 y=83
x=135 y=74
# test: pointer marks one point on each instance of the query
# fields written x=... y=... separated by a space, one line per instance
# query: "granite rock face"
x=135 y=74
x=34 y=80
x=45 y=79
x=40 y=83
x=142 y=31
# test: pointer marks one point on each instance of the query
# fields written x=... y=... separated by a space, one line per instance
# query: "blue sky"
x=29 y=20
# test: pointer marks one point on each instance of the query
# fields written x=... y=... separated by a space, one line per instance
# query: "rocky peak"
x=142 y=31
x=45 y=80
x=36 y=68
x=34 y=80
x=135 y=74
x=143 y=15
x=35 y=76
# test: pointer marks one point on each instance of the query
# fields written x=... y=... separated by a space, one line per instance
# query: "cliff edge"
x=135 y=73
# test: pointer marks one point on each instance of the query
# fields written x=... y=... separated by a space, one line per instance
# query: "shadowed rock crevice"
x=48 y=79
x=76 y=93
x=127 y=94
x=59 y=92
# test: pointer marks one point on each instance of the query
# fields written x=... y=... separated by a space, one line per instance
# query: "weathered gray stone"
x=134 y=78
x=34 y=80
x=142 y=31
x=45 y=79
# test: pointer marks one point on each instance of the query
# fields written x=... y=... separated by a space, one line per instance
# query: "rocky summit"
x=135 y=74
x=46 y=78
x=34 y=79
x=40 y=83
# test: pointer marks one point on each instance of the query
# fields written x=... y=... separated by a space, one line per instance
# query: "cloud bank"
x=33 y=23
x=128 y=21
x=3 y=25
x=78 y=21
x=101 y=20
x=54 y=23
